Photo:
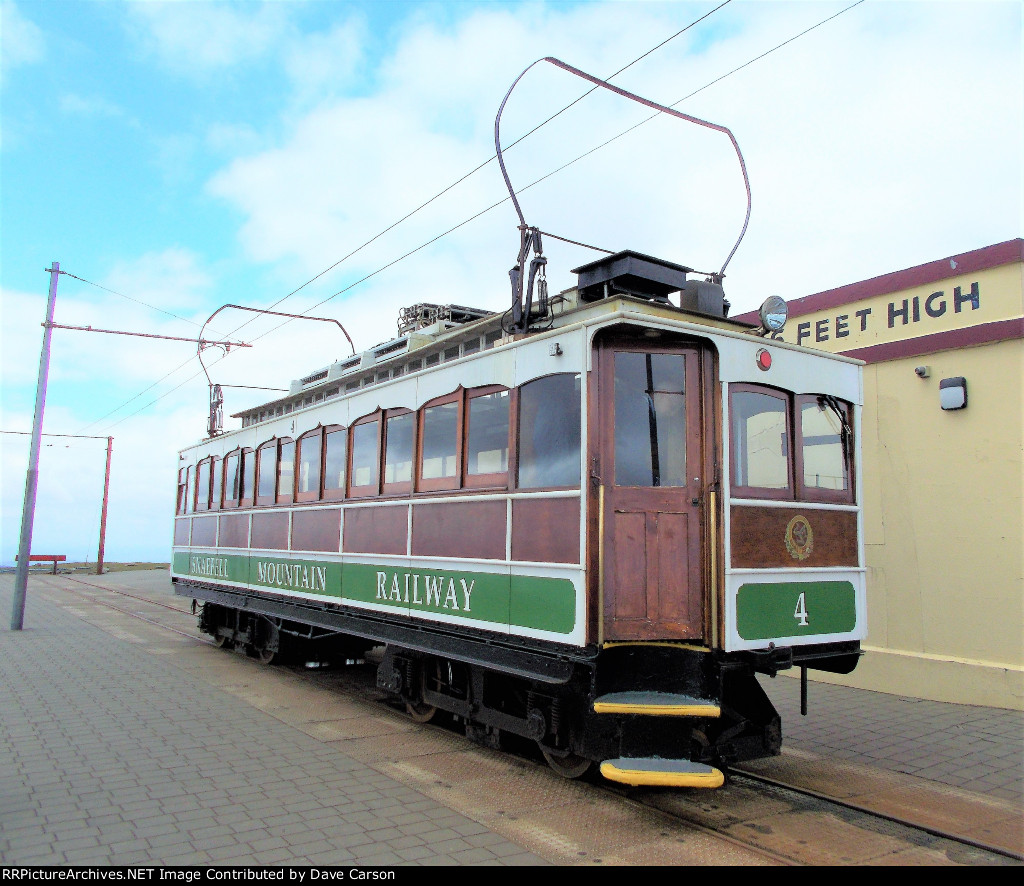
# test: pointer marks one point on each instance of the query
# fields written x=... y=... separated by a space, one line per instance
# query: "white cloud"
x=319 y=65
x=22 y=42
x=882 y=139
x=89 y=106
x=198 y=38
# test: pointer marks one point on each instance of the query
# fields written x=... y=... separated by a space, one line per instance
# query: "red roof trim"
x=983 y=334
x=921 y=275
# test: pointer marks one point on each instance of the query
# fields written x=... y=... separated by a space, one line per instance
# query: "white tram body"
x=594 y=534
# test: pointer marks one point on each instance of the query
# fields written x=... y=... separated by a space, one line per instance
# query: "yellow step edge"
x=713 y=778
x=657 y=710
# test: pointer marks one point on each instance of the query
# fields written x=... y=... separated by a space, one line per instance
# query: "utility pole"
x=103 y=511
x=32 y=475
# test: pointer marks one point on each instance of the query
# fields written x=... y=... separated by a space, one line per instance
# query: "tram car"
x=591 y=521
x=594 y=535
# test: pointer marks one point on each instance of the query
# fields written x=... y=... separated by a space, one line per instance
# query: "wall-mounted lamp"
x=922 y=371
x=953 y=393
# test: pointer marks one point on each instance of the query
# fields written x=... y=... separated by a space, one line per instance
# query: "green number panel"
x=794 y=609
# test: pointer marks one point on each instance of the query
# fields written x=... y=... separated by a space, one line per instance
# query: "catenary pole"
x=32 y=475
x=103 y=510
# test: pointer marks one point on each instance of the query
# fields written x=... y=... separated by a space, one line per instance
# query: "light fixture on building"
x=953 y=393
x=922 y=371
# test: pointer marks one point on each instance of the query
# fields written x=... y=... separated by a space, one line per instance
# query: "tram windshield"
x=650 y=419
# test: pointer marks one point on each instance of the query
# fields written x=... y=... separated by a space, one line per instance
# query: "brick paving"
x=110 y=757
x=975 y=748
x=115 y=751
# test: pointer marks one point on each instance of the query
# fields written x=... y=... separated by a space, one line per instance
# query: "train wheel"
x=569 y=766
x=222 y=642
x=264 y=656
x=420 y=712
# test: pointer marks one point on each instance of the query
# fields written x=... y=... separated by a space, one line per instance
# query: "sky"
x=176 y=157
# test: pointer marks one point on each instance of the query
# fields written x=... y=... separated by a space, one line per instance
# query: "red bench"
x=46 y=558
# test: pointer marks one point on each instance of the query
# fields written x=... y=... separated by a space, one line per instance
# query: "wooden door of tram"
x=651 y=459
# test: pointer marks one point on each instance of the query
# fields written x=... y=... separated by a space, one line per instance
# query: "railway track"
x=745 y=813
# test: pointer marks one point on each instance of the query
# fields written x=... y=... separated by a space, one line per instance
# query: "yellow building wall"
x=943 y=495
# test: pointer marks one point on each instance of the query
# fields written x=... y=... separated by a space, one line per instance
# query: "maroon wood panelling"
x=234 y=531
x=921 y=275
x=181 y=531
x=316 y=530
x=758 y=537
x=473 y=529
x=270 y=530
x=546 y=530
x=204 y=532
x=377 y=530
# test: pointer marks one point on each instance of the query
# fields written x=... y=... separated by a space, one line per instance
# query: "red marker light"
x=764 y=360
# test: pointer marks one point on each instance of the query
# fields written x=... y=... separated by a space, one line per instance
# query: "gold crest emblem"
x=799 y=538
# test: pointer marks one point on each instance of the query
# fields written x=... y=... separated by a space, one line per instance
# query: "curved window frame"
x=797 y=490
x=787 y=493
x=230 y=485
x=518 y=428
x=372 y=488
x=334 y=493
x=182 y=490
x=314 y=494
x=497 y=479
x=397 y=487
x=204 y=477
x=818 y=493
x=247 y=475
x=269 y=446
x=216 y=482
x=281 y=497
x=438 y=484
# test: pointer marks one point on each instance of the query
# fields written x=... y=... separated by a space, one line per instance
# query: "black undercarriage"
x=542 y=692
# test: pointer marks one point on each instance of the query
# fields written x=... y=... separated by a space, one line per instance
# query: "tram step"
x=658 y=704
x=659 y=772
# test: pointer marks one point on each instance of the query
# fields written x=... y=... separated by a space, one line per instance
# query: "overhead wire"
x=390 y=227
x=493 y=205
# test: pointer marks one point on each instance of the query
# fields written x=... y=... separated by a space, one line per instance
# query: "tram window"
x=487 y=418
x=824 y=453
x=399 y=431
x=247 y=483
x=440 y=465
x=549 y=432
x=286 y=472
x=216 y=482
x=203 y=485
x=336 y=440
x=267 y=473
x=232 y=478
x=761 y=442
x=365 y=458
x=650 y=419
x=190 y=501
x=182 y=486
x=310 y=458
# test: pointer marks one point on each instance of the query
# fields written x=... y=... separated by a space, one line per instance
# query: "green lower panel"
x=307 y=576
x=479 y=595
x=549 y=603
x=537 y=602
x=797 y=608
x=231 y=567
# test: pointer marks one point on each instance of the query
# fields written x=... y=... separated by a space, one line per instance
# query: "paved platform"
x=110 y=756
x=115 y=748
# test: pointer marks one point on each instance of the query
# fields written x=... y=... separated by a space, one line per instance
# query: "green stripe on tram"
x=525 y=601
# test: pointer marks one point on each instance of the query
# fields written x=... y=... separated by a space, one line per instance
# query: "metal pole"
x=32 y=475
x=103 y=512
